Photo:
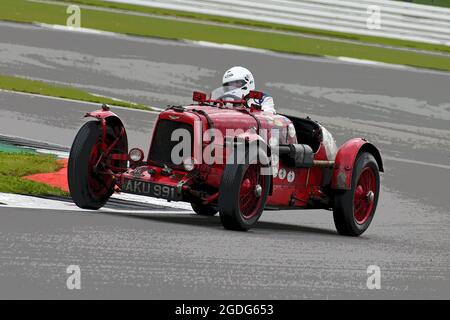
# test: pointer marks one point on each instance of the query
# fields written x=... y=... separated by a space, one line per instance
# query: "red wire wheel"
x=354 y=209
x=99 y=184
x=250 y=192
x=364 y=195
x=243 y=193
x=90 y=187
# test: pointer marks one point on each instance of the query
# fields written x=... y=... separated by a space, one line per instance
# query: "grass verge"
x=264 y=25
x=38 y=87
x=437 y=3
x=24 y=11
x=14 y=166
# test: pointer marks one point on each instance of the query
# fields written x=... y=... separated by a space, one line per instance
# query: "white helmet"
x=238 y=78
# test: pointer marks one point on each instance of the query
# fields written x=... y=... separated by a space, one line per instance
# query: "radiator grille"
x=162 y=145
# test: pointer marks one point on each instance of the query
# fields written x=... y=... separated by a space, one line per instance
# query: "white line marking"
x=29 y=202
x=102 y=210
x=371 y=62
x=22 y=201
x=157 y=110
x=59 y=154
x=77 y=29
x=152 y=201
x=422 y=163
x=228 y=46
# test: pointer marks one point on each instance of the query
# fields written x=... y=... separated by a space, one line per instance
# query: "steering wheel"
x=230 y=97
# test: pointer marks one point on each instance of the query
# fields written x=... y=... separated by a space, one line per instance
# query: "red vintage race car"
x=224 y=156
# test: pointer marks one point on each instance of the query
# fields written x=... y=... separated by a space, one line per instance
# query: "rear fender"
x=345 y=160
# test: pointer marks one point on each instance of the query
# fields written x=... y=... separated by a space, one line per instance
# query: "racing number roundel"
x=282 y=174
x=290 y=176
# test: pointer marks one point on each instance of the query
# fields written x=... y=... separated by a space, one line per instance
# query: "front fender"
x=251 y=138
x=254 y=139
x=106 y=115
x=109 y=118
x=345 y=160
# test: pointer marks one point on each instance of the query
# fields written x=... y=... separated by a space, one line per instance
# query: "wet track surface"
x=290 y=254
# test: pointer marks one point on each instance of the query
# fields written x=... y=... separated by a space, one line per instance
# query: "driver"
x=241 y=79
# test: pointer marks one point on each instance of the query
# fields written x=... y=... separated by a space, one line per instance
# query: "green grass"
x=23 y=11
x=265 y=25
x=438 y=3
x=13 y=166
x=38 y=87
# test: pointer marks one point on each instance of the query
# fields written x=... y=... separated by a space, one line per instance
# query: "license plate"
x=150 y=189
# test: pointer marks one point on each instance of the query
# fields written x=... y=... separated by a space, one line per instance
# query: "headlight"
x=188 y=164
x=136 y=155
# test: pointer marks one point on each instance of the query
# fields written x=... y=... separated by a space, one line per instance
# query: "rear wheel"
x=89 y=187
x=203 y=210
x=354 y=209
x=242 y=195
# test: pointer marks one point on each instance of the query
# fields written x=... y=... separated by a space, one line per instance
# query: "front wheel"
x=89 y=188
x=354 y=209
x=242 y=195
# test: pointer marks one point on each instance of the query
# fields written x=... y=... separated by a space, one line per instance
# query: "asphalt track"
x=290 y=254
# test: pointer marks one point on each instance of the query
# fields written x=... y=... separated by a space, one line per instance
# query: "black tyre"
x=89 y=189
x=242 y=194
x=354 y=209
x=204 y=210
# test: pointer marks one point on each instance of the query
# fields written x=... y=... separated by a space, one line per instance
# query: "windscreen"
x=227 y=93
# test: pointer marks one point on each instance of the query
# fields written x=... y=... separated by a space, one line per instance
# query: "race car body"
x=222 y=155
